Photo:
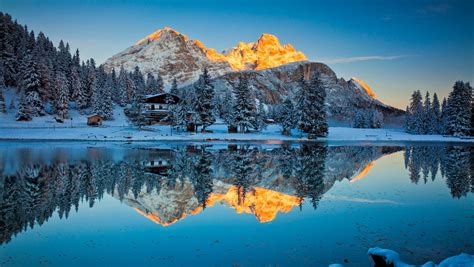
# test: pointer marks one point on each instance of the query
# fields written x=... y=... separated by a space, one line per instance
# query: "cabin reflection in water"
x=167 y=184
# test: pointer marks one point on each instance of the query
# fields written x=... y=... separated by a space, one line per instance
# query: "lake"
x=239 y=204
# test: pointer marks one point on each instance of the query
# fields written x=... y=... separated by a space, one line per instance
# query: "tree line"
x=454 y=116
x=52 y=80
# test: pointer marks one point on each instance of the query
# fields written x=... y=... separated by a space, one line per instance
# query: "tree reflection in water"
x=181 y=180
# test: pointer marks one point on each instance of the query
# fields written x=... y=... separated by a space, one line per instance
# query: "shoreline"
x=162 y=133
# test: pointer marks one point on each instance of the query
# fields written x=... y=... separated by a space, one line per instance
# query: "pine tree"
x=30 y=85
x=174 y=88
x=244 y=105
x=427 y=115
x=180 y=113
x=260 y=117
x=444 y=117
x=2 y=89
x=3 y=108
x=227 y=113
x=360 y=119
x=459 y=109
x=313 y=112
x=205 y=94
x=408 y=122
x=62 y=96
x=123 y=90
x=107 y=102
x=160 y=87
x=436 y=116
x=138 y=81
x=24 y=112
x=151 y=87
x=137 y=111
x=79 y=95
x=286 y=116
x=416 y=112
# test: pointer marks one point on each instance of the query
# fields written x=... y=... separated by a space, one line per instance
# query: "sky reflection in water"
x=245 y=204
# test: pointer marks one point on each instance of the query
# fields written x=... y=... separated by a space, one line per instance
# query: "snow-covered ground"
x=119 y=129
x=45 y=128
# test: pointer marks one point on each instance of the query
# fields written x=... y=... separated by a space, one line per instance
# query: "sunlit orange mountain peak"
x=159 y=34
x=267 y=52
x=364 y=86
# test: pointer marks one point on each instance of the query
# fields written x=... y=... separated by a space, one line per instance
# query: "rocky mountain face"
x=274 y=84
x=273 y=70
x=173 y=55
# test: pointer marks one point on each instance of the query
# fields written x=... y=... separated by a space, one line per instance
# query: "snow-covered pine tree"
x=78 y=94
x=8 y=52
x=24 y=112
x=313 y=111
x=416 y=111
x=61 y=103
x=359 y=119
x=459 y=109
x=376 y=118
x=139 y=81
x=407 y=123
x=287 y=117
x=180 y=116
x=30 y=84
x=174 y=88
x=137 y=115
x=436 y=116
x=160 y=87
x=107 y=101
x=227 y=112
x=151 y=86
x=3 y=108
x=205 y=94
x=444 y=117
x=122 y=91
x=260 y=117
x=427 y=115
x=244 y=105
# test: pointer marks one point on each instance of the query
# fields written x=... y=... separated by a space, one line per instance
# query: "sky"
x=394 y=46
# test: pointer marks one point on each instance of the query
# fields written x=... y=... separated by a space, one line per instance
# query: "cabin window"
x=160 y=107
x=152 y=107
x=152 y=163
x=160 y=162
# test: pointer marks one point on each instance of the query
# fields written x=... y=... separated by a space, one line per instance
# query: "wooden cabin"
x=157 y=107
x=95 y=120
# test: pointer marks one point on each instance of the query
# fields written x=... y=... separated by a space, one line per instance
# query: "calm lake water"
x=219 y=204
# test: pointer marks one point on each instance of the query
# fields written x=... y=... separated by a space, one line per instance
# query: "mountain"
x=173 y=55
x=274 y=84
x=273 y=69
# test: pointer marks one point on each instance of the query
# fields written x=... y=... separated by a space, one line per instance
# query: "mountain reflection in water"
x=167 y=184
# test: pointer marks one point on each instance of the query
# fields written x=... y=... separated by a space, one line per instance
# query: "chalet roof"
x=161 y=98
x=94 y=116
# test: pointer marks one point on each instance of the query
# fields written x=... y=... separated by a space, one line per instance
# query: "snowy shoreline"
x=163 y=133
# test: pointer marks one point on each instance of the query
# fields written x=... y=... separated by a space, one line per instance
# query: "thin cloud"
x=362 y=58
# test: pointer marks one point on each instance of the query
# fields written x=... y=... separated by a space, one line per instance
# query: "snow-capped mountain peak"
x=160 y=34
x=173 y=55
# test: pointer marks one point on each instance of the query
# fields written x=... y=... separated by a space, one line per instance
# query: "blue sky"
x=394 y=46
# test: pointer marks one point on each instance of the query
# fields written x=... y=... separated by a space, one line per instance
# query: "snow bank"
x=392 y=258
